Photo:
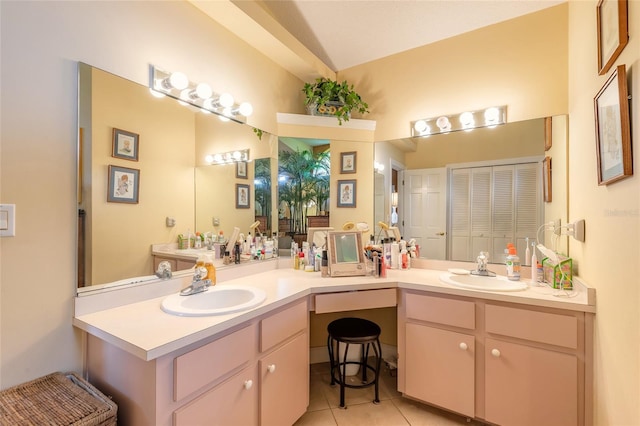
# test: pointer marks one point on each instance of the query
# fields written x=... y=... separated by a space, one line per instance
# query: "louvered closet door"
x=460 y=214
x=503 y=215
x=480 y=211
x=493 y=206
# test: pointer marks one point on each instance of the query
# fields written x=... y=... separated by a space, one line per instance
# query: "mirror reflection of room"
x=179 y=191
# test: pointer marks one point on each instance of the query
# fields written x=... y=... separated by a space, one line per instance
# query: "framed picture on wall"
x=241 y=170
x=613 y=33
x=124 y=185
x=243 y=193
x=347 y=193
x=125 y=145
x=348 y=162
x=613 y=133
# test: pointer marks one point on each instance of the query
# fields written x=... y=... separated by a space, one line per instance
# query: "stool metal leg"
x=377 y=349
x=331 y=359
x=343 y=373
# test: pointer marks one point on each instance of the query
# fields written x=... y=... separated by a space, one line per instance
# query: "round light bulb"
x=420 y=126
x=443 y=123
x=491 y=115
x=203 y=91
x=179 y=80
x=246 y=109
x=217 y=158
x=226 y=100
x=209 y=159
x=466 y=119
x=237 y=155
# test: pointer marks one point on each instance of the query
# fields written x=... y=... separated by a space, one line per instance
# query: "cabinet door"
x=284 y=375
x=232 y=403
x=529 y=386
x=440 y=368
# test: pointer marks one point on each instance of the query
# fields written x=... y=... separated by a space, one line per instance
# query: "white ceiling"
x=346 y=33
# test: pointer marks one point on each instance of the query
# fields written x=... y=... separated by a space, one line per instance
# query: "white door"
x=425 y=198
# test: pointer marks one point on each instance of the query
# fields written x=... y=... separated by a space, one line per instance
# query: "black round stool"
x=354 y=331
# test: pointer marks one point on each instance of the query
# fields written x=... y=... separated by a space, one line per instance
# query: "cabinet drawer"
x=232 y=403
x=457 y=313
x=210 y=362
x=279 y=327
x=543 y=327
x=354 y=300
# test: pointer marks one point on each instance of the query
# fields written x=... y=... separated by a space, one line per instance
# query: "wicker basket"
x=56 y=399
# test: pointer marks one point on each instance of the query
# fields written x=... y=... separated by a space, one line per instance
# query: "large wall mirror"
x=167 y=145
x=426 y=166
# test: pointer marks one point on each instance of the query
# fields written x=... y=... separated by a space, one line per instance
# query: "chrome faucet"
x=198 y=285
x=481 y=268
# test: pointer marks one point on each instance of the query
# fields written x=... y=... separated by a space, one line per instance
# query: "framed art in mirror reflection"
x=124 y=185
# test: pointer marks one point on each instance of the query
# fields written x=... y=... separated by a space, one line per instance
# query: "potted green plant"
x=328 y=97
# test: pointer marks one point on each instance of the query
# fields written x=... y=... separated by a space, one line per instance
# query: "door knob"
x=495 y=352
x=440 y=234
x=248 y=384
x=271 y=368
x=463 y=346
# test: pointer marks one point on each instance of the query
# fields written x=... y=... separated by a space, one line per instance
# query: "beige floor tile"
x=316 y=418
x=424 y=415
x=317 y=398
x=383 y=414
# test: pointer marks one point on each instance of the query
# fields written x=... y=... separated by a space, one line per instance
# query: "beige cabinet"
x=508 y=364
x=442 y=369
x=232 y=403
x=256 y=373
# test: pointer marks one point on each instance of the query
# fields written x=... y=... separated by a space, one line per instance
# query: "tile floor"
x=393 y=410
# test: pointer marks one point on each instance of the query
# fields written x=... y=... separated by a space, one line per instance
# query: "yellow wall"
x=521 y=63
x=609 y=259
x=122 y=234
x=41 y=44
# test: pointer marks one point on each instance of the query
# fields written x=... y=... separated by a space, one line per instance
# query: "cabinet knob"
x=271 y=368
x=248 y=384
x=495 y=352
x=463 y=346
x=440 y=234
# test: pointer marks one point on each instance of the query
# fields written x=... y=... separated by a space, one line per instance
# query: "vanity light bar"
x=468 y=120
x=228 y=157
x=200 y=95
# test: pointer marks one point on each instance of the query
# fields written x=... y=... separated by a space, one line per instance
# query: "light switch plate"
x=7 y=220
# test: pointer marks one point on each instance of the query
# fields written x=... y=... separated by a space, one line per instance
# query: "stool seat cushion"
x=353 y=330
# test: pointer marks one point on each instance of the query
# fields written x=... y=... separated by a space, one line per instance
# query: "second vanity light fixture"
x=200 y=95
x=468 y=120
x=228 y=157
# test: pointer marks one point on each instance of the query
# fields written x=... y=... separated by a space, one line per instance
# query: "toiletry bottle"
x=198 y=241
x=527 y=253
x=376 y=264
x=227 y=258
x=383 y=267
x=513 y=265
x=301 y=261
x=324 y=268
x=534 y=267
x=395 y=254
x=318 y=261
x=404 y=259
x=236 y=253
x=386 y=252
x=211 y=270
x=275 y=245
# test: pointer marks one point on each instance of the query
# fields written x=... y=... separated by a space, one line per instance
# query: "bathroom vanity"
x=515 y=358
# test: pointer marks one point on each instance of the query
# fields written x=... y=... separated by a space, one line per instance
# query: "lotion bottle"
x=534 y=266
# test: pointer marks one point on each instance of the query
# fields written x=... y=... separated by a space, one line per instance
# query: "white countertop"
x=144 y=330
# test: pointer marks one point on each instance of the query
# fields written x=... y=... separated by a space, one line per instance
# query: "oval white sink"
x=476 y=282
x=215 y=301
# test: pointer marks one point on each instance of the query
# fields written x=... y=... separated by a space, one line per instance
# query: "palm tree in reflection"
x=303 y=182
